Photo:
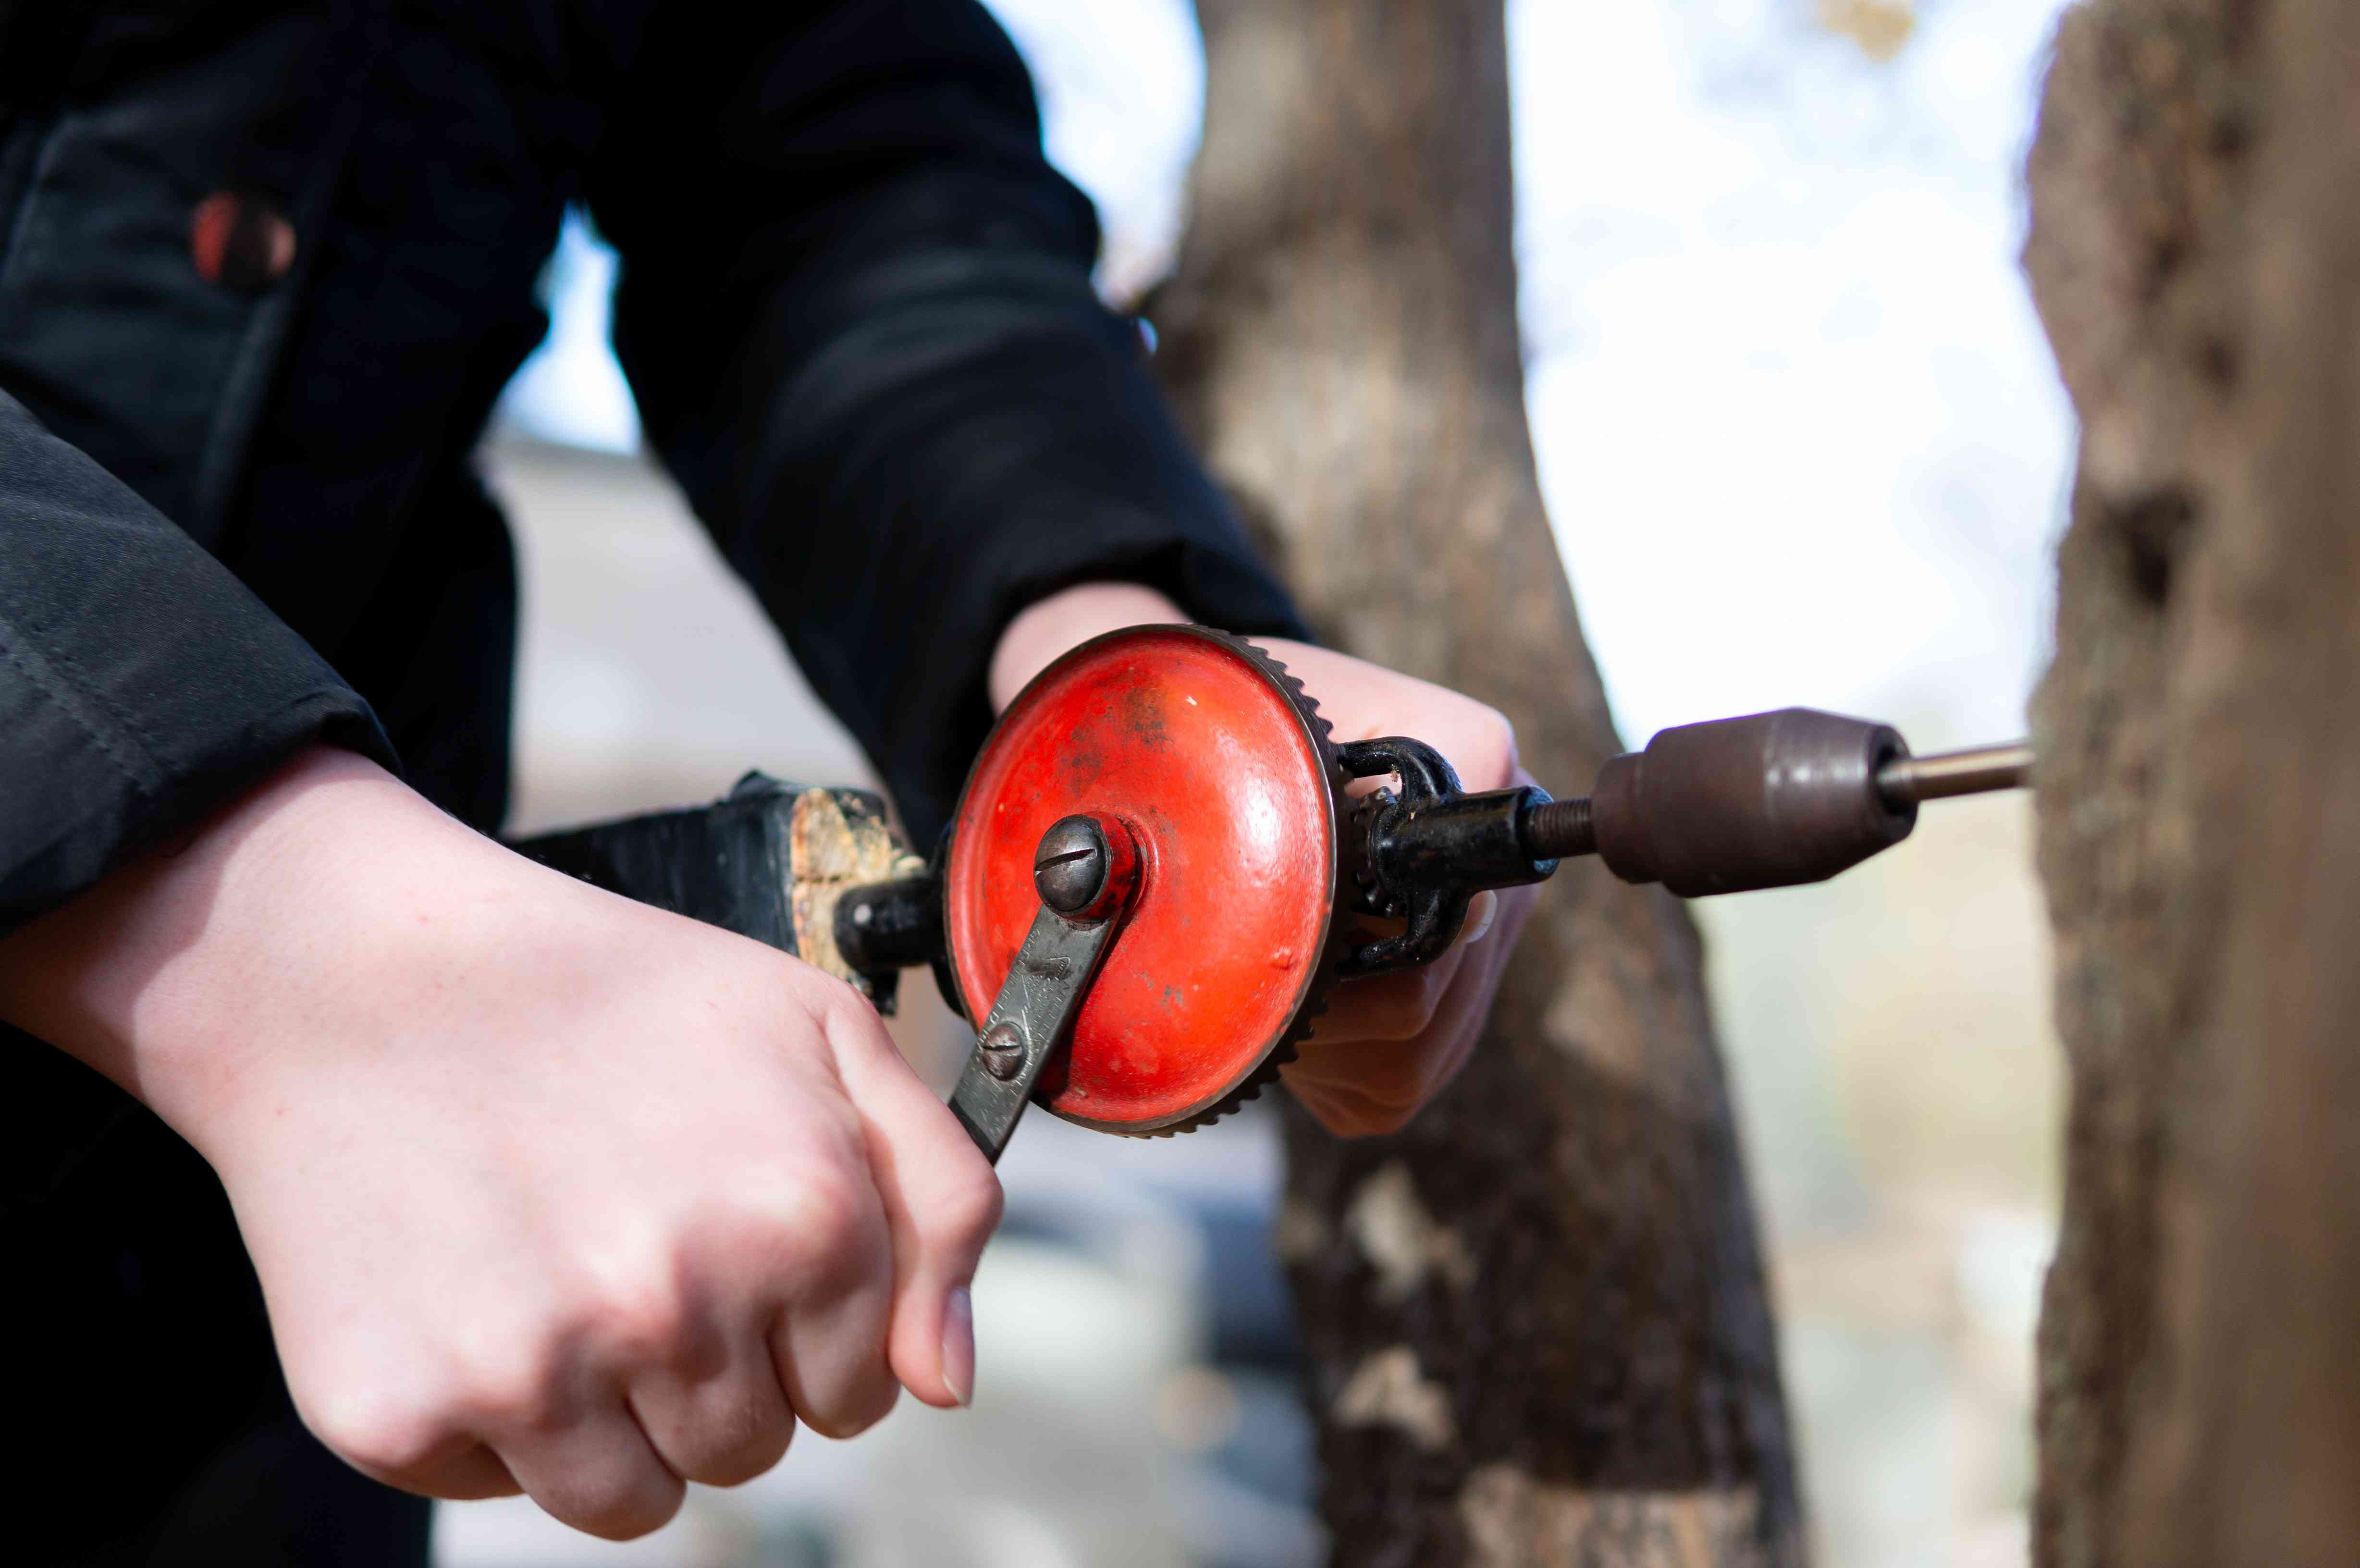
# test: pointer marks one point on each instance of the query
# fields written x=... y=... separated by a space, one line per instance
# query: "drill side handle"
x=784 y=864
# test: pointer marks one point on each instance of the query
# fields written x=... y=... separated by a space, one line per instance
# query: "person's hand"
x=548 y=1189
x=1387 y=1044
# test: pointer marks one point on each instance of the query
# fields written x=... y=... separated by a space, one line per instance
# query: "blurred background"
x=1778 y=354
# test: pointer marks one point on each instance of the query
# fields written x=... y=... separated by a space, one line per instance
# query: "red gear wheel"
x=1209 y=752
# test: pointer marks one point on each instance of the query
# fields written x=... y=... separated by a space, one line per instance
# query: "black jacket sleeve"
x=141 y=685
x=857 y=312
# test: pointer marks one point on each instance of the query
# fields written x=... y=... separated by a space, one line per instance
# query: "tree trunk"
x=2195 y=252
x=1536 y=1321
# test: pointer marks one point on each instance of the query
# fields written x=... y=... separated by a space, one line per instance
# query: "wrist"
x=181 y=973
x=1065 y=619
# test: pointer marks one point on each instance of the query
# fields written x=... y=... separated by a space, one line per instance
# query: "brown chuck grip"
x=1767 y=801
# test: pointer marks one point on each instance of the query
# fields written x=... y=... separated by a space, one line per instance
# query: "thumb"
x=941 y=1201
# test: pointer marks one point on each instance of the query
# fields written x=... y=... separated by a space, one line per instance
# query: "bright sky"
x=1796 y=421
x=1784 y=373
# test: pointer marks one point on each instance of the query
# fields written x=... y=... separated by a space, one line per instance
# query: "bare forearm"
x=130 y=976
x=1066 y=619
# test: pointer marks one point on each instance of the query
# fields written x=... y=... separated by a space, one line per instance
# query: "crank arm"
x=1086 y=871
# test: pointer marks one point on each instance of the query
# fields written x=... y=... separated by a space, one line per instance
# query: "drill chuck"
x=1767 y=801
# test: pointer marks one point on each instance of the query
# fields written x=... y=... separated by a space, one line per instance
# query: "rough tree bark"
x=1536 y=1321
x=2195 y=252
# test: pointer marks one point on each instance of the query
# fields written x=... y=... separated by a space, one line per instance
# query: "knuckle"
x=1413 y=1007
x=827 y=1232
x=380 y=1430
x=849 y=1025
x=625 y=1508
x=743 y=1457
x=969 y=1209
x=1432 y=987
x=515 y=1390
x=827 y=1217
x=1350 y=1113
x=638 y=1322
x=1381 y=1121
x=1390 y=1010
x=508 y=1374
x=862 y=1404
x=1389 y=1090
x=1391 y=1105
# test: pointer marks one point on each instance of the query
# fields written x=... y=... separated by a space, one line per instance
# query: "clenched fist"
x=547 y=1191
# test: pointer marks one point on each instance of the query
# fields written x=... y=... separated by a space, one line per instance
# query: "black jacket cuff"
x=142 y=686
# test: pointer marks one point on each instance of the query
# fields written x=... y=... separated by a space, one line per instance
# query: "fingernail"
x=1481 y=913
x=959 y=1345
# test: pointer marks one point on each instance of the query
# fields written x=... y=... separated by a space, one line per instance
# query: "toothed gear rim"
x=1246 y=837
x=1352 y=850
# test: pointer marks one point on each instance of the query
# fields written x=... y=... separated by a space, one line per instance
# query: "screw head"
x=1069 y=870
x=1004 y=1050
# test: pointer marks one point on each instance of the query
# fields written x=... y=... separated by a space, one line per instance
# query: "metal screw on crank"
x=1004 y=1050
x=1069 y=870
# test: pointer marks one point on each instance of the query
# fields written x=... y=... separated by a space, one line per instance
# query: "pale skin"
x=553 y=1192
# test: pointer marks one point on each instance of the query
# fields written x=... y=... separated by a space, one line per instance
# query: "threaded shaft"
x=1559 y=830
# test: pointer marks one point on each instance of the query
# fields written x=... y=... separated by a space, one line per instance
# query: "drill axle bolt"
x=1085 y=867
x=1069 y=870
